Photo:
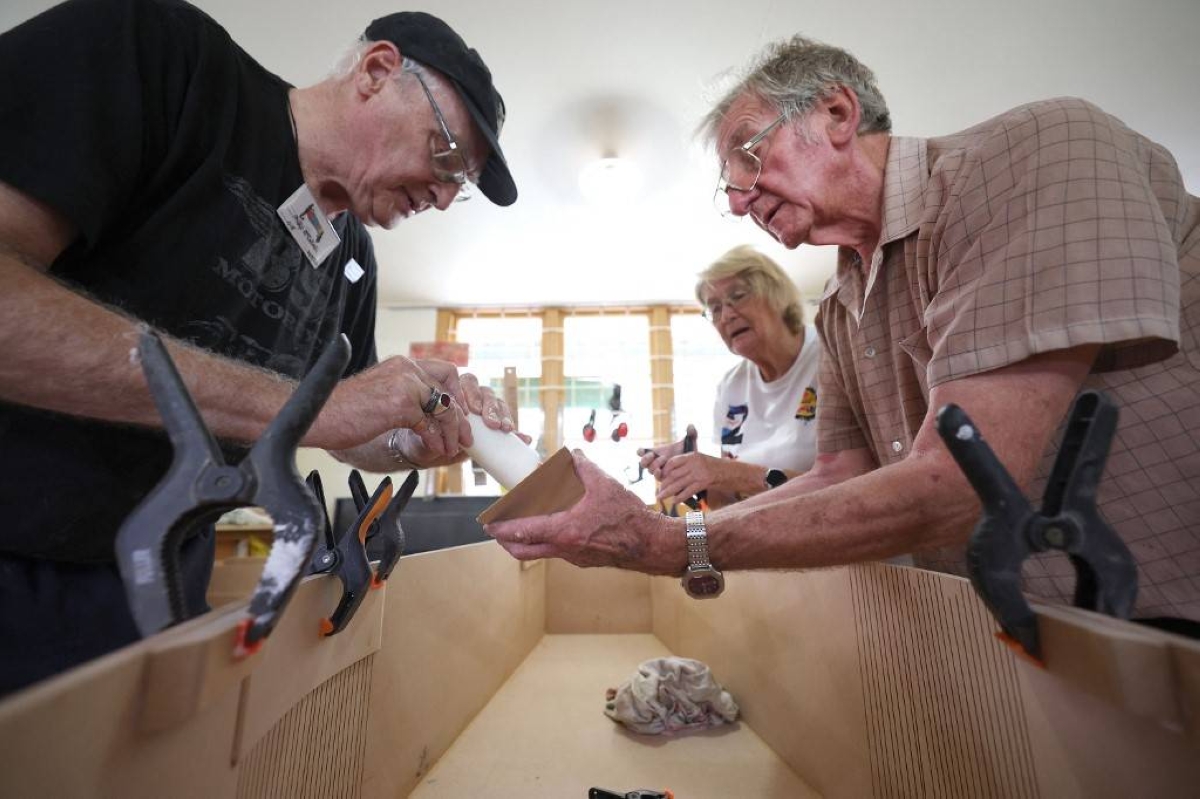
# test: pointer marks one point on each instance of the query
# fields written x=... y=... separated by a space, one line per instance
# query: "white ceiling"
x=942 y=64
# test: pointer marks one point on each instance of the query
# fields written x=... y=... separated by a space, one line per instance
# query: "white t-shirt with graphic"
x=771 y=424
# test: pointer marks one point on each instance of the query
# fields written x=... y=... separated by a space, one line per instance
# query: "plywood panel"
x=460 y=623
x=297 y=658
x=77 y=735
x=317 y=750
x=785 y=645
x=944 y=712
x=1087 y=747
x=596 y=600
x=921 y=700
x=545 y=735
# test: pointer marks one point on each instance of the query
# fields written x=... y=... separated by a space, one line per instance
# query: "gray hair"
x=350 y=60
x=793 y=74
x=763 y=277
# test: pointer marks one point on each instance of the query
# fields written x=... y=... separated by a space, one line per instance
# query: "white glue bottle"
x=504 y=456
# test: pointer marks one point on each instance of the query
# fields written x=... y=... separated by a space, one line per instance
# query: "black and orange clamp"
x=345 y=554
x=1010 y=531
x=641 y=793
x=385 y=538
x=199 y=486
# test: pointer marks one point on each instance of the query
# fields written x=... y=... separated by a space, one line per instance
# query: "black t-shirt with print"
x=169 y=148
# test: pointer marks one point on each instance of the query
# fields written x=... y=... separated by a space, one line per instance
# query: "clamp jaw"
x=385 y=539
x=1010 y=531
x=199 y=486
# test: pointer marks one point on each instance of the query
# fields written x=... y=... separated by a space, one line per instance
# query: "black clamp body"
x=1010 y=531
x=199 y=486
x=385 y=538
x=344 y=553
x=641 y=793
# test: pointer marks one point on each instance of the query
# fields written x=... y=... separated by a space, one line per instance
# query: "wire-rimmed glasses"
x=714 y=307
x=741 y=169
x=449 y=166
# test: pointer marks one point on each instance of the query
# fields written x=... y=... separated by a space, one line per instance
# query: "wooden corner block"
x=550 y=488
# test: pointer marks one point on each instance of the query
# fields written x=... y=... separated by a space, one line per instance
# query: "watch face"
x=776 y=478
x=704 y=583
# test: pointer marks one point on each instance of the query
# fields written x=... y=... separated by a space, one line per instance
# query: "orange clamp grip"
x=241 y=649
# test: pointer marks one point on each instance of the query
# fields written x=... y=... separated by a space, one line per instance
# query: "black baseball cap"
x=426 y=39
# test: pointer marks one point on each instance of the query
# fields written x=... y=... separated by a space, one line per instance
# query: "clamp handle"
x=387 y=536
x=1009 y=530
x=147 y=545
x=325 y=556
x=199 y=486
x=352 y=566
x=283 y=494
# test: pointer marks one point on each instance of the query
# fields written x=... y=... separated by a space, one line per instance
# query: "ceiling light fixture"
x=610 y=180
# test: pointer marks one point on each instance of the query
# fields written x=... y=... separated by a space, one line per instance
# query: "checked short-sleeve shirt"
x=1048 y=227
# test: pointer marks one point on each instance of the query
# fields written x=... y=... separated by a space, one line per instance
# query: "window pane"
x=700 y=361
x=601 y=352
x=495 y=343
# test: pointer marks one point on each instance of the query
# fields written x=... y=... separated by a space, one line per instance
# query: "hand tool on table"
x=1010 y=530
x=618 y=429
x=700 y=501
x=199 y=486
x=641 y=793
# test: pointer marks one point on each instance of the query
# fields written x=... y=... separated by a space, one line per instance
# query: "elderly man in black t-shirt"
x=151 y=172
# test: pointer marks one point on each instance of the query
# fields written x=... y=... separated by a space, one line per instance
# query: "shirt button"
x=897 y=446
x=869 y=352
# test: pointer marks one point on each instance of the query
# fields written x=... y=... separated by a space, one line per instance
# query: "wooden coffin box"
x=472 y=675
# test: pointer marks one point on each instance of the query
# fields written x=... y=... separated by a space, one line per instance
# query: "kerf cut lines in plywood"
x=316 y=751
x=943 y=707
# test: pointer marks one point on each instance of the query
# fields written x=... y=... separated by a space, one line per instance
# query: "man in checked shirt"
x=1003 y=268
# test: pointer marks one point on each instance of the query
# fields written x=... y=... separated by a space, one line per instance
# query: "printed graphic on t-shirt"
x=267 y=273
x=807 y=410
x=731 y=431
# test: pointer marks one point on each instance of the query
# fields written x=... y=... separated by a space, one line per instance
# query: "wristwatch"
x=775 y=478
x=701 y=580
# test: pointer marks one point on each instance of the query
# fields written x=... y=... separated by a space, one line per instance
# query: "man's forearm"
x=807 y=523
x=67 y=353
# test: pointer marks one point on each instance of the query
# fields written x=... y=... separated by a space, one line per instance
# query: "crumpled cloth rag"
x=667 y=695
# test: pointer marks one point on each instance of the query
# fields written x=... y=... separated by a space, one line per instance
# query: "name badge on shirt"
x=309 y=227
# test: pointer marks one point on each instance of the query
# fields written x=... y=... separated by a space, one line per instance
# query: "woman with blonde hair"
x=766 y=405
